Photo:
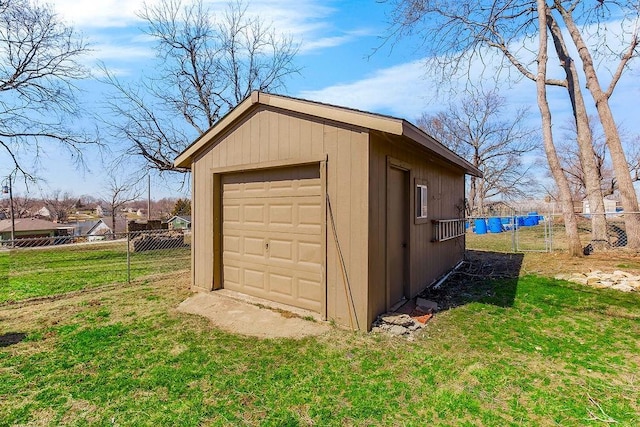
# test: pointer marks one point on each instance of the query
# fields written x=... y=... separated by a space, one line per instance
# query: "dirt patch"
x=551 y=264
x=472 y=280
x=247 y=319
x=117 y=303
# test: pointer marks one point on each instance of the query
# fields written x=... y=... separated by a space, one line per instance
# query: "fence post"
x=514 y=221
x=128 y=258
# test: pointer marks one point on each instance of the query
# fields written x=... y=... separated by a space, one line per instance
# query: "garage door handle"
x=266 y=245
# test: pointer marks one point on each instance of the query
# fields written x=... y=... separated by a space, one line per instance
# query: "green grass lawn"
x=556 y=354
x=39 y=272
x=527 y=350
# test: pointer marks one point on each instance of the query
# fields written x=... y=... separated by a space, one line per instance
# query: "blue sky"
x=338 y=63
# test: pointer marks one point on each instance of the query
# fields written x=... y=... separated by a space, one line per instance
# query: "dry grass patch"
x=520 y=349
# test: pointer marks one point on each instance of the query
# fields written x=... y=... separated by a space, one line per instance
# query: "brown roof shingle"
x=28 y=224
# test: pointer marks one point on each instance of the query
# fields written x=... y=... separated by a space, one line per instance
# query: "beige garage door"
x=272 y=245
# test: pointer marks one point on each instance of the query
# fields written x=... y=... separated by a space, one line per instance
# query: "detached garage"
x=341 y=212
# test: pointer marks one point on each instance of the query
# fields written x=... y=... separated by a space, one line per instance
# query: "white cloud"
x=401 y=90
x=406 y=90
x=107 y=52
x=333 y=41
x=306 y=20
x=99 y=14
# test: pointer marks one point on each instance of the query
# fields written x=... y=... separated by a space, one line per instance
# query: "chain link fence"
x=534 y=232
x=40 y=265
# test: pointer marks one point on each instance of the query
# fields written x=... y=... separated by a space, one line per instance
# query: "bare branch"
x=39 y=68
x=476 y=129
x=207 y=63
x=628 y=55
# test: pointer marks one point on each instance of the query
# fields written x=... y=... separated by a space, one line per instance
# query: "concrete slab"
x=243 y=318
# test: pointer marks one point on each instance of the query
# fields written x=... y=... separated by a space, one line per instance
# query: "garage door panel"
x=281 y=214
x=253 y=214
x=310 y=253
x=309 y=290
x=231 y=214
x=253 y=278
x=309 y=213
x=232 y=190
x=281 y=249
x=272 y=246
x=306 y=290
x=231 y=275
x=281 y=284
x=232 y=244
x=253 y=246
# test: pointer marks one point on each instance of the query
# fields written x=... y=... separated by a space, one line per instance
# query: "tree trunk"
x=628 y=195
x=472 y=196
x=113 y=222
x=574 y=246
x=586 y=152
x=480 y=192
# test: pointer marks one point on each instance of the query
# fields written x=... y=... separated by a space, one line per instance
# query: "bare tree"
x=118 y=193
x=59 y=204
x=584 y=137
x=23 y=206
x=631 y=12
x=634 y=159
x=164 y=207
x=478 y=129
x=573 y=167
x=207 y=64
x=39 y=66
x=459 y=34
x=571 y=224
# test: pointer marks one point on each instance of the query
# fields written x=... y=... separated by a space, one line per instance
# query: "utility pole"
x=148 y=197
x=9 y=189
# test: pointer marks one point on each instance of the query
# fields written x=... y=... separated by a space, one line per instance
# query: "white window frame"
x=422 y=201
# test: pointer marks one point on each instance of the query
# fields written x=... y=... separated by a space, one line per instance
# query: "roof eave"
x=386 y=124
x=416 y=134
x=300 y=106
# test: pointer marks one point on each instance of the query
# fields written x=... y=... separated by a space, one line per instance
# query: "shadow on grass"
x=488 y=277
x=11 y=338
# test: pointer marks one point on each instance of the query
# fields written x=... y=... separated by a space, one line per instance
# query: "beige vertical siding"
x=356 y=168
x=428 y=260
x=267 y=135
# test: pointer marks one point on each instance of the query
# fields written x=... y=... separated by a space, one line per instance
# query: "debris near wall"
x=144 y=225
x=618 y=280
x=407 y=320
x=149 y=242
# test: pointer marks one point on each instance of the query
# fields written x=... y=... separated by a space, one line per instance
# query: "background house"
x=321 y=207
x=179 y=222
x=93 y=229
x=102 y=211
x=26 y=228
x=43 y=213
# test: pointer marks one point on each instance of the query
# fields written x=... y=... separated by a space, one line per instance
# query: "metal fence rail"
x=157 y=251
x=76 y=261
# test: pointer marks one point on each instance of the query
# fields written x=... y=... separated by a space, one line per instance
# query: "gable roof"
x=82 y=227
x=186 y=218
x=28 y=224
x=120 y=225
x=349 y=116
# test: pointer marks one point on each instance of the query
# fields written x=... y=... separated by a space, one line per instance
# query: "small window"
x=421 y=201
